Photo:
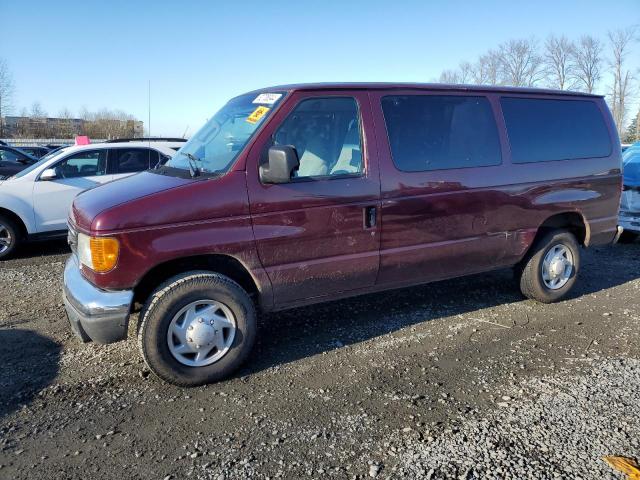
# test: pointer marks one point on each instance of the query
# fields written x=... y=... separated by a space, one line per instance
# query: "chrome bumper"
x=94 y=314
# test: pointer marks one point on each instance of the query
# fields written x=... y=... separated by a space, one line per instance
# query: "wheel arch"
x=17 y=219
x=218 y=263
x=572 y=221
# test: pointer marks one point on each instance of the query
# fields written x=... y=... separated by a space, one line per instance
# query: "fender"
x=18 y=205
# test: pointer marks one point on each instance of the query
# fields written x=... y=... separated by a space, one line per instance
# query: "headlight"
x=100 y=254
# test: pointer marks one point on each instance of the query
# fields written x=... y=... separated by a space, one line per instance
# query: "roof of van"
x=425 y=86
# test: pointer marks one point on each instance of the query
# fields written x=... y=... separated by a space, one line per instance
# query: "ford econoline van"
x=308 y=193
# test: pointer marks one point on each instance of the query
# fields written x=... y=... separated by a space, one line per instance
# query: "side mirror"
x=282 y=162
x=48 y=174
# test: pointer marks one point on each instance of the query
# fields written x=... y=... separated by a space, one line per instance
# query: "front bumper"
x=94 y=314
x=629 y=221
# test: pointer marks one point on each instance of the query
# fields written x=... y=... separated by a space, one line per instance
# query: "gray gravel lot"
x=459 y=379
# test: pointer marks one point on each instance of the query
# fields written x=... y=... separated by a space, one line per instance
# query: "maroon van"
x=307 y=193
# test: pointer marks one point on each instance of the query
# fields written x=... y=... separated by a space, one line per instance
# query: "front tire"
x=197 y=328
x=550 y=270
x=10 y=237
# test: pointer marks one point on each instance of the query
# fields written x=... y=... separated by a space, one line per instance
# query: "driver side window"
x=326 y=135
x=88 y=163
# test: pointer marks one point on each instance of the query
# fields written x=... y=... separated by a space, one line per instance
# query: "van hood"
x=148 y=200
x=90 y=203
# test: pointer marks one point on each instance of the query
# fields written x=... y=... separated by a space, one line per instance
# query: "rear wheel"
x=9 y=237
x=197 y=328
x=550 y=269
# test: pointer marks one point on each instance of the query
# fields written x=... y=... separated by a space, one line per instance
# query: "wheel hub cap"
x=5 y=238
x=201 y=333
x=557 y=267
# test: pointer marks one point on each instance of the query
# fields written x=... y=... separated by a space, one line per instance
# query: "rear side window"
x=435 y=132
x=131 y=160
x=545 y=130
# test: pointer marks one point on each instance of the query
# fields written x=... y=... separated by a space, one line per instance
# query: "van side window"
x=434 y=132
x=326 y=134
x=542 y=130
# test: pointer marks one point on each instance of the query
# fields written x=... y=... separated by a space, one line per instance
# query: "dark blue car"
x=630 y=200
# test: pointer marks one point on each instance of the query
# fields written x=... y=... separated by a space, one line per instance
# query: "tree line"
x=582 y=64
x=35 y=122
x=105 y=123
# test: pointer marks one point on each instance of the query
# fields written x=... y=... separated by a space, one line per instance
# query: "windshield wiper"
x=194 y=170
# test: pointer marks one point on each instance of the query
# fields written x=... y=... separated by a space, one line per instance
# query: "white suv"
x=34 y=204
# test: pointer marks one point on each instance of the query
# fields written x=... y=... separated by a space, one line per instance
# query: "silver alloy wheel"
x=201 y=333
x=5 y=238
x=557 y=267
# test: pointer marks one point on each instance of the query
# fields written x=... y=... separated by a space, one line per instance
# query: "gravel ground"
x=458 y=379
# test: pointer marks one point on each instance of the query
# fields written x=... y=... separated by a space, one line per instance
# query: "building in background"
x=52 y=127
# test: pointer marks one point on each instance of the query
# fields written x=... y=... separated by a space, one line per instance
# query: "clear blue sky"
x=197 y=54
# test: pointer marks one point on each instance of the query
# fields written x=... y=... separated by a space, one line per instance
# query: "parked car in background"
x=34 y=203
x=13 y=160
x=630 y=201
x=624 y=146
x=309 y=193
x=35 y=151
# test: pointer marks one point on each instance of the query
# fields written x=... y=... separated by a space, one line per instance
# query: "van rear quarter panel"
x=444 y=223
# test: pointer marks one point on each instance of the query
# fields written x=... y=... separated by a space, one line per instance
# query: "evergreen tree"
x=632 y=134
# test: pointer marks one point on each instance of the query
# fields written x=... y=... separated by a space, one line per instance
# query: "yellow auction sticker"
x=257 y=114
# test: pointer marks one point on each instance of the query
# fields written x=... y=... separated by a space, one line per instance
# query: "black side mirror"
x=282 y=162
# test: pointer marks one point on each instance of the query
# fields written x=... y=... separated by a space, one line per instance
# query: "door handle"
x=370 y=217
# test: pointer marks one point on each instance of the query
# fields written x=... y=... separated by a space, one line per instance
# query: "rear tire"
x=628 y=237
x=171 y=348
x=550 y=269
x=10 y=237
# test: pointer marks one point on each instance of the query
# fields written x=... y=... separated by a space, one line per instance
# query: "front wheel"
x=197 y=328
x=9 y=237
x=550 y=270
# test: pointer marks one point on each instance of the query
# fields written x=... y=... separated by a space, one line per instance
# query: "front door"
x=318 y=235
x=76 y=173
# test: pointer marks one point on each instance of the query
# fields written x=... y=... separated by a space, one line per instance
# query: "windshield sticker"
x=267 y=98
x=257 y=114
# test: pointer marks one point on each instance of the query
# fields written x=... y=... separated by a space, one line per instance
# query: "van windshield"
x=217 y=144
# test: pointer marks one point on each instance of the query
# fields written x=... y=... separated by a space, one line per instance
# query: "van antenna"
x=184 y=135
x=149 y=111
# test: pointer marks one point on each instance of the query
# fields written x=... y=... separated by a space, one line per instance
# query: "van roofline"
x=422 y=86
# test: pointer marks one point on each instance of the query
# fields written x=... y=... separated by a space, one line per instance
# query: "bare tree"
x=520 y=63
x=37 y=111
x=66 y=125
x=109 y=124
x=486 y=70
x=6 y=93
x=587 y=60
x=620 y=43
x=558 y=62
x=465 y=72
x=449 y=76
